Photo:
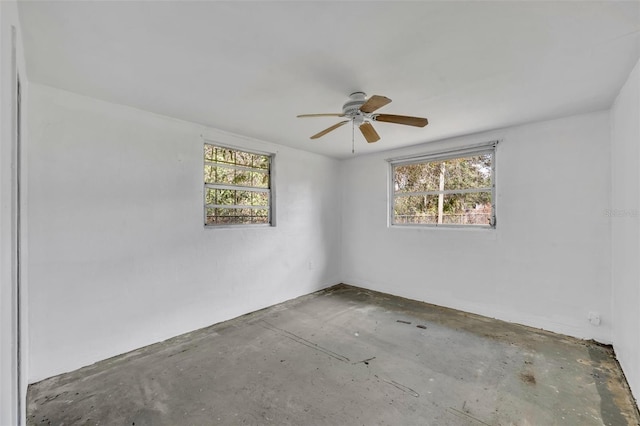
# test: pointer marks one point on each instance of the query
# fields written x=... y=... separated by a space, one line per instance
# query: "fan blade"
x=320 y=115
x=369 y=132
x=402 y=119
x=374 y=103
x=325 y=131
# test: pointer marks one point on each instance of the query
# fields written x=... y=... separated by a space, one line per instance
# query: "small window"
x=447 y=189
x=237 y=186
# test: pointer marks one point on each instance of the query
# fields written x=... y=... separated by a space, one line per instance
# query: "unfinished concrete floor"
x=347 y=356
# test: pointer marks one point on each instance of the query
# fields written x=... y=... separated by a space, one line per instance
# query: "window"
x=453 y=188
x=237 y=186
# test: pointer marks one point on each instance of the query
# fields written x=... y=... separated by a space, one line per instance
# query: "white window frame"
x=271 y=221
x=466 y=151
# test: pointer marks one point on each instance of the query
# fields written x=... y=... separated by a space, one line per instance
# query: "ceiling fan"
x=360 y=110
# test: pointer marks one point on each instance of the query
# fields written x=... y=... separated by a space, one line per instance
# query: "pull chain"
x=353 y=137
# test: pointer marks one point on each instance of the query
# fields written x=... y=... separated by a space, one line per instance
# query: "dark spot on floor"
x=528 y=378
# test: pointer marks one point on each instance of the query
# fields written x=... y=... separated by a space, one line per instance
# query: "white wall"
x=548 y=262
x=9 y=397
x=119 y=257
x=625 y=202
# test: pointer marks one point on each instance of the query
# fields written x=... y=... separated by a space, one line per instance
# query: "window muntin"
x=237 y=186
x=455 y=189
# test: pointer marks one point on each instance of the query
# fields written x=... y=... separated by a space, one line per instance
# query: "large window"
x=453 y=188
x=237 y=186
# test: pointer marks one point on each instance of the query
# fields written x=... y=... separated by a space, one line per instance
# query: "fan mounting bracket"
x=351 y=108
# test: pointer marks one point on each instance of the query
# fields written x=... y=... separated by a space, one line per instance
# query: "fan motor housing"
x=351 y=108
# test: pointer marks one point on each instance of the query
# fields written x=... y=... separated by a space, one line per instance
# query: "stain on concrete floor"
x=347 y=356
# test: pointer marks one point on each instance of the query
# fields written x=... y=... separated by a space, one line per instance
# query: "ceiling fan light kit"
x=360 y=111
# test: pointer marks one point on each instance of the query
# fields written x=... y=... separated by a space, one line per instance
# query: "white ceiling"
x=251 y=67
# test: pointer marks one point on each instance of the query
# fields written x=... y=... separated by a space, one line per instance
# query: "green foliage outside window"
x=237 y=186
x=455 y=191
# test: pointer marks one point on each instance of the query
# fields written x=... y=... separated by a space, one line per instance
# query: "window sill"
x=257 y=226
x=465 y=228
